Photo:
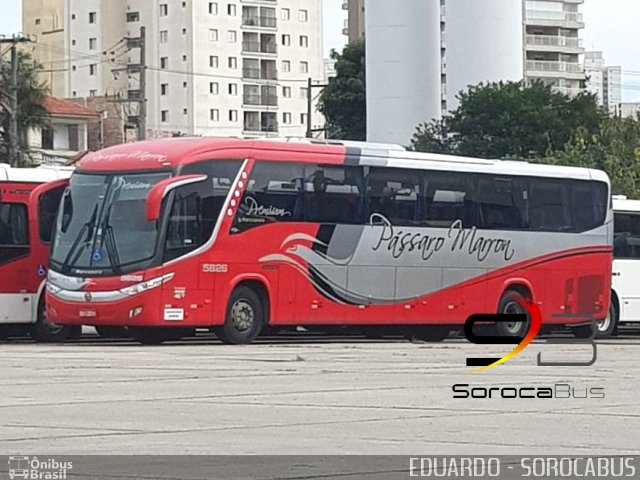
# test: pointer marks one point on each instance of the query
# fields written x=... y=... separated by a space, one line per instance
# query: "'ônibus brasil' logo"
x=533 y=318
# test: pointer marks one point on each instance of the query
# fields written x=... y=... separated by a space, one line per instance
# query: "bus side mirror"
x=162 y=189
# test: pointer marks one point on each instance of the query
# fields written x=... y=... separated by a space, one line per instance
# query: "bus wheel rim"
x=603 y=325
x=242 y=315
x=512 y=308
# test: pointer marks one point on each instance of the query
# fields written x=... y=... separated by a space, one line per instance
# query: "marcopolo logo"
x=533 y=318
x=32 y=468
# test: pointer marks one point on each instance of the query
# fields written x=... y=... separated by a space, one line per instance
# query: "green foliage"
x=508 y=119
x=432 y=137
x=343 y=102
x=614 y=149
x=31 y=95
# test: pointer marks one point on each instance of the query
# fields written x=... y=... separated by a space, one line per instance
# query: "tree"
x=31 y=95
x=343 y=101
x=615 y=148
x=433 y=137
x=509 y=119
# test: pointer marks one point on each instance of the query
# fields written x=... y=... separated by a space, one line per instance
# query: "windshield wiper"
x=70 y=259
x=108 y=241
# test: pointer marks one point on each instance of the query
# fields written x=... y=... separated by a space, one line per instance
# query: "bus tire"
x=511 y=303
x=607 y=327
x=158 y=335
x=112 y=332
x=44 y=331
x=244 y=319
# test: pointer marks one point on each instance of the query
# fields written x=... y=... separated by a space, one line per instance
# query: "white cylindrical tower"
x=403 y=67
x=484 y=43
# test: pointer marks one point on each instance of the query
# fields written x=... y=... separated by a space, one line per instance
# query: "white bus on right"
x=625 y=295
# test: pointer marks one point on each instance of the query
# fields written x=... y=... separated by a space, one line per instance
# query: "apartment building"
x=553 y=45
x=44 y=19
x=422 y=53
x=628 y=109
x=603 y=81
x=232 y=67
x=355 y=25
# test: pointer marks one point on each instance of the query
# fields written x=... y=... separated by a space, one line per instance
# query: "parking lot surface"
x=311 y=395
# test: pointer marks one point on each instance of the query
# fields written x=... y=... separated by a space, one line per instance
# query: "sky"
x=611 y=26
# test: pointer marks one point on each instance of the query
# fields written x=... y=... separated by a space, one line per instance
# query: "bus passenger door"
x=625 y=282
x=16 y=269
x=627 y=265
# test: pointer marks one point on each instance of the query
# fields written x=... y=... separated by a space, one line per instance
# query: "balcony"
x=260 y=100
x=555 y=17
x=554 y=69
x=260 y=122
x=549 y=66
x=553 y=41
x=253 y=73
x=571 y=91
x=252 y=46
x=260 y=21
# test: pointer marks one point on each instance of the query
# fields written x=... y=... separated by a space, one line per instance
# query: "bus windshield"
x=102 y=225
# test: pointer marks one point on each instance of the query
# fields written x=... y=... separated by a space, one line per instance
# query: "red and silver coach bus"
x=29 y=200
x=166 y=236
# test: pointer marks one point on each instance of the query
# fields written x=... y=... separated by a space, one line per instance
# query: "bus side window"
x=334 y=194
x=191 y=222
x=588 y=205
x=626 y=242
x=273 y=194
x=394 y=194
x=502 y=203
x=548 y=209
x=449 y=199
x=14 y=231
x=48 y=205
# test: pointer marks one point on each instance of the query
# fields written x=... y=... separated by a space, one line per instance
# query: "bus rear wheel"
x=511 y=303
x=244 y=319
x=43 y=331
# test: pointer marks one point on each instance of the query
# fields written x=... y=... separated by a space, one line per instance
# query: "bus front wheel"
x=244 y=319
x=43 y=331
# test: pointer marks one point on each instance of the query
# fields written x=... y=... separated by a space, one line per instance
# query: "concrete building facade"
x=553 y=45
x=422 y=53
x=45 y=20
x=355 y=26
x=628 y=109
x=603 y=81
x=238 y=67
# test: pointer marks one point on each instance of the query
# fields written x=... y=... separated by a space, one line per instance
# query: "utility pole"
x=142 y=113
x=310 y=98
x=14 y=140
x=14 y=143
